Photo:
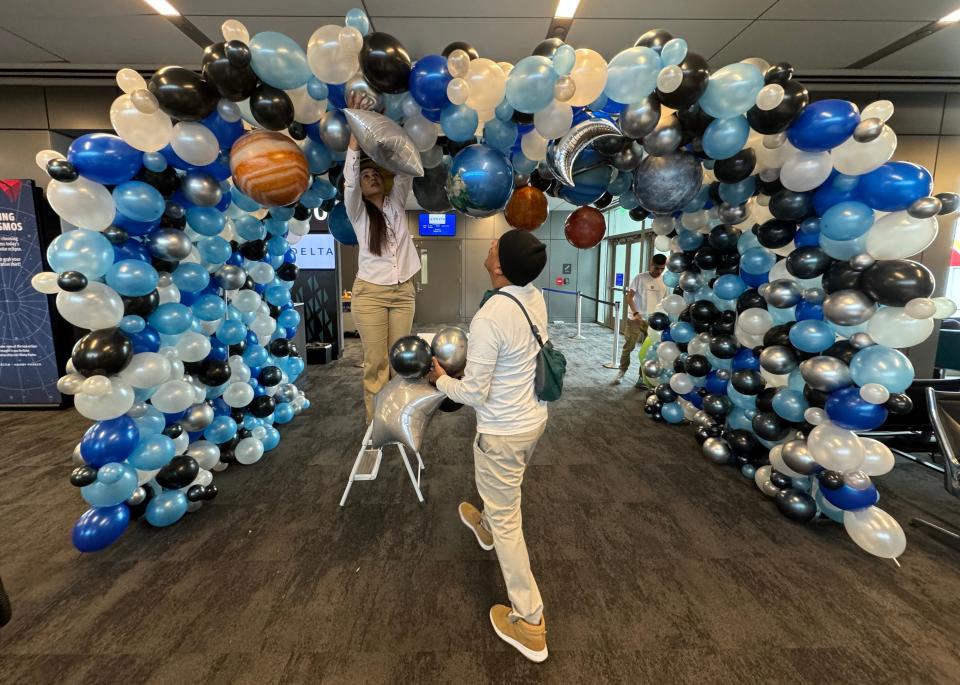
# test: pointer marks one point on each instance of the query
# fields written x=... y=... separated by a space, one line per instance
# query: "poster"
x=28 y=363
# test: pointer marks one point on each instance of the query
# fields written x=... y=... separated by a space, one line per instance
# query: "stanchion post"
x=614 y=363
x=579 y=335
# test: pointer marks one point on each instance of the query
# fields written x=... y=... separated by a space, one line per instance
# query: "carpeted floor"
x=655 y=566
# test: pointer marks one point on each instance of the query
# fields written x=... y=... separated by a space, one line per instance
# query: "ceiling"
x=811 y=34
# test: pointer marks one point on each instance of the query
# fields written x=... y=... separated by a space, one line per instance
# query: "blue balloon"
x=790 y=404
x=278 y=60
x=530 y=84
x=480 y=181
x=829 y=194
x=673 y=52
x=564 y=59
x=104 y=158
x=846 y=221
x=132 y=227
x=895 y=186
x=823 y=125
x=807 y=310
x=632 y=74
x=812 y=335
x=357 y=18
x=249 y=227
x=428 y=82
x=340 y=226
x=804 y=239
x=521 y=164
x=190 y=277
x=138 y=200
x=682 y=332
x=672 y=412
x=132 y=323
x=731 y=90
x=726 y=137
x=207 y=221
x=622 y=182
x=500 y=134
x=754 y=280
x=214 y=250
x=209 y=307
x=109 y=441
x=171 y=318
x=739 y=192
x=318 y=156
x=155 y=450
x=884 y=365
x=590 y=179
x=729 y=287
x=746 y=359
x=132 y=277
x=147 y=340
x=226 y=132
x=849 y=498
x=848 y=410
x=757 y=260
x=688 y=240
x=272 y=439
x=100 y=527
x=459 y=122
x=317 y=89
x=221 y=429
x=231 y=332
x=114 y=485
x=843 y=249
x=716 y=385
x=154 y=161
x=166 y=508
x=242 y=201
x=88 y=252
x=283 y=413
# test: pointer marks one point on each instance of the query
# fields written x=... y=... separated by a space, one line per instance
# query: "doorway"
x=626 y=256
x=439 y=286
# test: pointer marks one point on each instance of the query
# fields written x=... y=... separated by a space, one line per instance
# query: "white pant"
x=499 y=464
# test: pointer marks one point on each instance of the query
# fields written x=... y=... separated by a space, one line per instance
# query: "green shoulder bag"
x=551 y=364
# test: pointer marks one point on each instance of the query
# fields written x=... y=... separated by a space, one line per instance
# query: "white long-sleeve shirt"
x=647 y=293
x=399 y=260
x=498 y=381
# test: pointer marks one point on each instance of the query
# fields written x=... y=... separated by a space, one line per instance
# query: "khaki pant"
x=383 y=314
x=636 y=334
x=499 y=463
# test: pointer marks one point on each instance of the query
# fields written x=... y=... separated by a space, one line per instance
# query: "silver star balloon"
x=562 y=155
x=385 y=142
x=401 y=412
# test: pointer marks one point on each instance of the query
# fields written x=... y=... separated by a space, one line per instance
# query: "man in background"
x=645 y=292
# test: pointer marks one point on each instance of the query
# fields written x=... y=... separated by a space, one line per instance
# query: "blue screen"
x=444 y=225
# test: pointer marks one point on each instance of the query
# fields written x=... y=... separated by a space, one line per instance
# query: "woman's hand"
x=357 y=100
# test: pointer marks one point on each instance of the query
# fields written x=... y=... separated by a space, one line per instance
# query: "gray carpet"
x=655 y=566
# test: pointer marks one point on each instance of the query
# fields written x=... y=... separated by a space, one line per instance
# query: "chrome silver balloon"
x=231 y=277
x=138 y=410
x=286 y=393
x=732 y=214
x=782 y=293
x=848 y=307
x=164 y=279
x=778 y=359
x=384 y=141
x=814 y=295
x=170 y=244
x=796 y=505
x=334 y=131
x=862 y=262
x=825 y=373
x=924 y=208
x=797 y=457
x=768 y=488
x=401 y=412
x=562 y=155
x=652 y=368
x=358 y=86
x=861 y=340
x=716 y=450
x=201 y=189
x=690 y=281
x=76 y=458
x=198 y=417
x=639 y=119
x=450 y=348
x=138 y=497
x=665 y=138
x=628 y=158
x=857 y=480
x=868 y=129
x=410 y=357
x=703 y=419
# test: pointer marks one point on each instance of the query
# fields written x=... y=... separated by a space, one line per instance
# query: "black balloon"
x=82 y=476
x=211 y=491
x=173 y=431
x=431 y=192
x=262 y=406
x=102 y=352
x=287 y=271
x=841 y=276
x=795 y=98
x=279 y=347
x=271 y=107
x=781 y=480
x=778 y=335
x=654 y=39
x=776 y=233
x=831 y=480
x=790 y=206
x=696 y=74
x=183 y=94
x=116 y=235
x=744 y=445
x=778 y=73
x=547 y=48
x=808 y=262
x=460 y=45
x=603 y=201
x=658 y=321
x=178 y=473
x=410 y=356
x=227 y=67
x=704 y=311
x=894 y=282
x=816 y=398
x=72 y=281
x=717 y=405
x=166 y=181
x=62 y=170
x=196 y=493
x=737 y=168
x=747 y=381
x=385 y=63
x=769 y=426
x=765 y=399
x=899 y=403
x=270 y=376
x=750 y=299
x=142 y=305
x=214 y=372
x=724 y=346
x=254 y=250
x=697 y=365
x=796 y=505
x=638 y=214
x=706 y=258
x=842 y=350
x=665 y=393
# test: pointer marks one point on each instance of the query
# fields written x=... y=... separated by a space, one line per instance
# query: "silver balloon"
x=198 y=417
x=286 y=393
x=797 y=457
x=703 y=419
x=164 y=279
x=732 y=214
x=778 y=359
x=520 y=180
x=174 y=210
x=358 y=86
x=782 y=293
x=384 y=141
x=848 y=307
x=432 y=157
x=814 y=295
x=334 y=131
x=201 y=189
x=170 y=244
x=450 y=348
x=825 y=373
x=665 y=138
x=690 y=281
x=138 y=410
x=562 y=154
x=231 y=277
x=628 y=158
x=138 y=497
x=924 y=208
x=716 y=450
x=665 y=184
x=410 y=357
x=77 y=458
x=868 y=129
x=768 y=488
x=949 y=202
x=639 y=119
x=858 y=480
x=862 y=262
x=652 y=368
x=861 y=340
x=401 y=412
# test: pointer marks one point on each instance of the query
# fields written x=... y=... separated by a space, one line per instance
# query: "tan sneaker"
x=473 y=519
x=531 y=641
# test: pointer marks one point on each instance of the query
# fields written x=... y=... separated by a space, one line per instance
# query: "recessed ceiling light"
x=566 y=9
x=951 y=18
x=163 y=7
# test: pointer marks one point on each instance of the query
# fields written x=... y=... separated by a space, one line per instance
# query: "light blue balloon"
x=357 y=18
x=843 y=249
x=214 y=250
x=459 y=123
x=317 y=89
x=166 y=508
x=500 y=134
x=790 y=404
x=231 y=332
x=278 y=60
x=670 y=279
x=699 y=200
x=209 y=307
x=272 y=439
x=132 y=278
x=221 y=429
x=154 y=451
x=688 y=240
x=795 y=380
x=190 y=277
x=757 y=260
x=521 y=164
x=632 y=75
x=672 y=412
x=139 y=201
x=781 y=315
x=276 y=295
x=530 y=84
x=207 y=221
x=739 y=399
x=738 y=193
x=846 y=221
x=327 y=190
x=746 y=241
x=114 y=485
x=504 y=111
x=88 y=252
x=812 y=335
x=256 y=355
x=729 y=287
x=249 y=227
x=171 y=318
x=283 y=413
x=242 y=201
x=731 y=90
x=318 y=156
x=884 y=365
x=289 y=318
x=682 y=332
x=726 y=137
x=132 y=323
x=629 y=199
x=151 y=423
x=275 y=226
x=674 y=52
x=564 y=59
x=620 y=183
x=738 y=420
x=154 y=161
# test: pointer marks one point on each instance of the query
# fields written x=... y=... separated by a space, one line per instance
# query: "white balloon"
x=329 y=60
x=534 y=146
x=855 y=159
x=306 y=110
x=422 y=132
x=144 y=477
x=83 y=203
x=181 y=443
x=803 y=171
x=877 y=458
x=71 y=383
x=755 y=321
x=761 y=476
x=116 y=402
x=874 y=393
x=899 y=235
x=681 y=383
x=945 y=307
x=668 y=352
x=234 y=30
x=206 y=453
x=553 y=120
x=246 y=301
x=487 y=84
x=248 y=451
x=96 y=306
x=146 y=132
x=46 y=282
x=193 y=347
x=173 y=396
x=195 y=143
x=893 y=327
x=835 y=448
x=878 y=109
x=921 y=308
x=170 y=293
x=98 y=386
x=130 y=80
x=875 y=531
x=238 y=394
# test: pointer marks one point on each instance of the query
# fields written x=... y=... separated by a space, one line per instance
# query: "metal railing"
x=615 y=361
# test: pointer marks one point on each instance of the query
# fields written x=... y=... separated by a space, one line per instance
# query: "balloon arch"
x=789 y=232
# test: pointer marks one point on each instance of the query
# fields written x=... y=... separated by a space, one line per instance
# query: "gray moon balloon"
x=401 y=412
x=797 y=457
x=201 y=189
x=924 y=208
x=231 y=277
x=949 y=202
x=411 y=357
x=198 y=417
x=862 y=262
x=783 y=293
x=732 y=214
x=562 y=155
x=334 y=131
x=138 y=497
x=384 y=141
x=639 y=119
x=358 y=86
x=814 y=295
x=665 y=184
x=796 y=505
x=778 y=359
x=652 y=367
x=170 y=244
x=450 y=348
x=825 y=373
x=628 y=158
x=861 y=340
x=848 y=307
x=716 y=450
x=867 y=130
x=665 y=138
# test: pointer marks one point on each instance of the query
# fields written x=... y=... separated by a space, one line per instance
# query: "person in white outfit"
x=644 y=294
x=499 y=383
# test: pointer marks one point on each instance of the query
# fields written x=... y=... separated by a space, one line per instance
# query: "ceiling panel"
x=298 y=28
x=461 y=8
x=878 y=10
x=610 y=36
x=813 y=44
x=107 y=40
x=499 y=39
x=72 y=8
x=14 y=50
x=252 y=8
x=938 y=52
x=671 y=9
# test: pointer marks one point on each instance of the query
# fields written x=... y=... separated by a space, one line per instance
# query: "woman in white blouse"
x=383 y=293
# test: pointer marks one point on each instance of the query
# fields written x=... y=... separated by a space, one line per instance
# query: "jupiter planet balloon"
x=269 y=168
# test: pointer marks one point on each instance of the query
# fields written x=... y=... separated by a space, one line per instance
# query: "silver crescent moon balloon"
x=402 y=410
x=848 y=307
x=639 y=119
x=825 y=373
x=385 y=142
x=450 y=348
x=562 y=154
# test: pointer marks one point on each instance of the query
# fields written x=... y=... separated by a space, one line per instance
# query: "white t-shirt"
x=647 y=293
x=498 y=381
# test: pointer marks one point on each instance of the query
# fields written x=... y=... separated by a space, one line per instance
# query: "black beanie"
x=522 y=256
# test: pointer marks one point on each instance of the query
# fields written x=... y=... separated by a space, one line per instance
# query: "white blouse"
x=399 y=261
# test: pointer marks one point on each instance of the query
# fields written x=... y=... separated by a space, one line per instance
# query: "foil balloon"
x=665 y=184
x=269 y=168
x=562 y=155
x=449 y=346
x=385 y=142
x=402 y=410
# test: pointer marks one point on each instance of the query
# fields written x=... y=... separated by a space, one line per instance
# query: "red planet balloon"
x=585 y=228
